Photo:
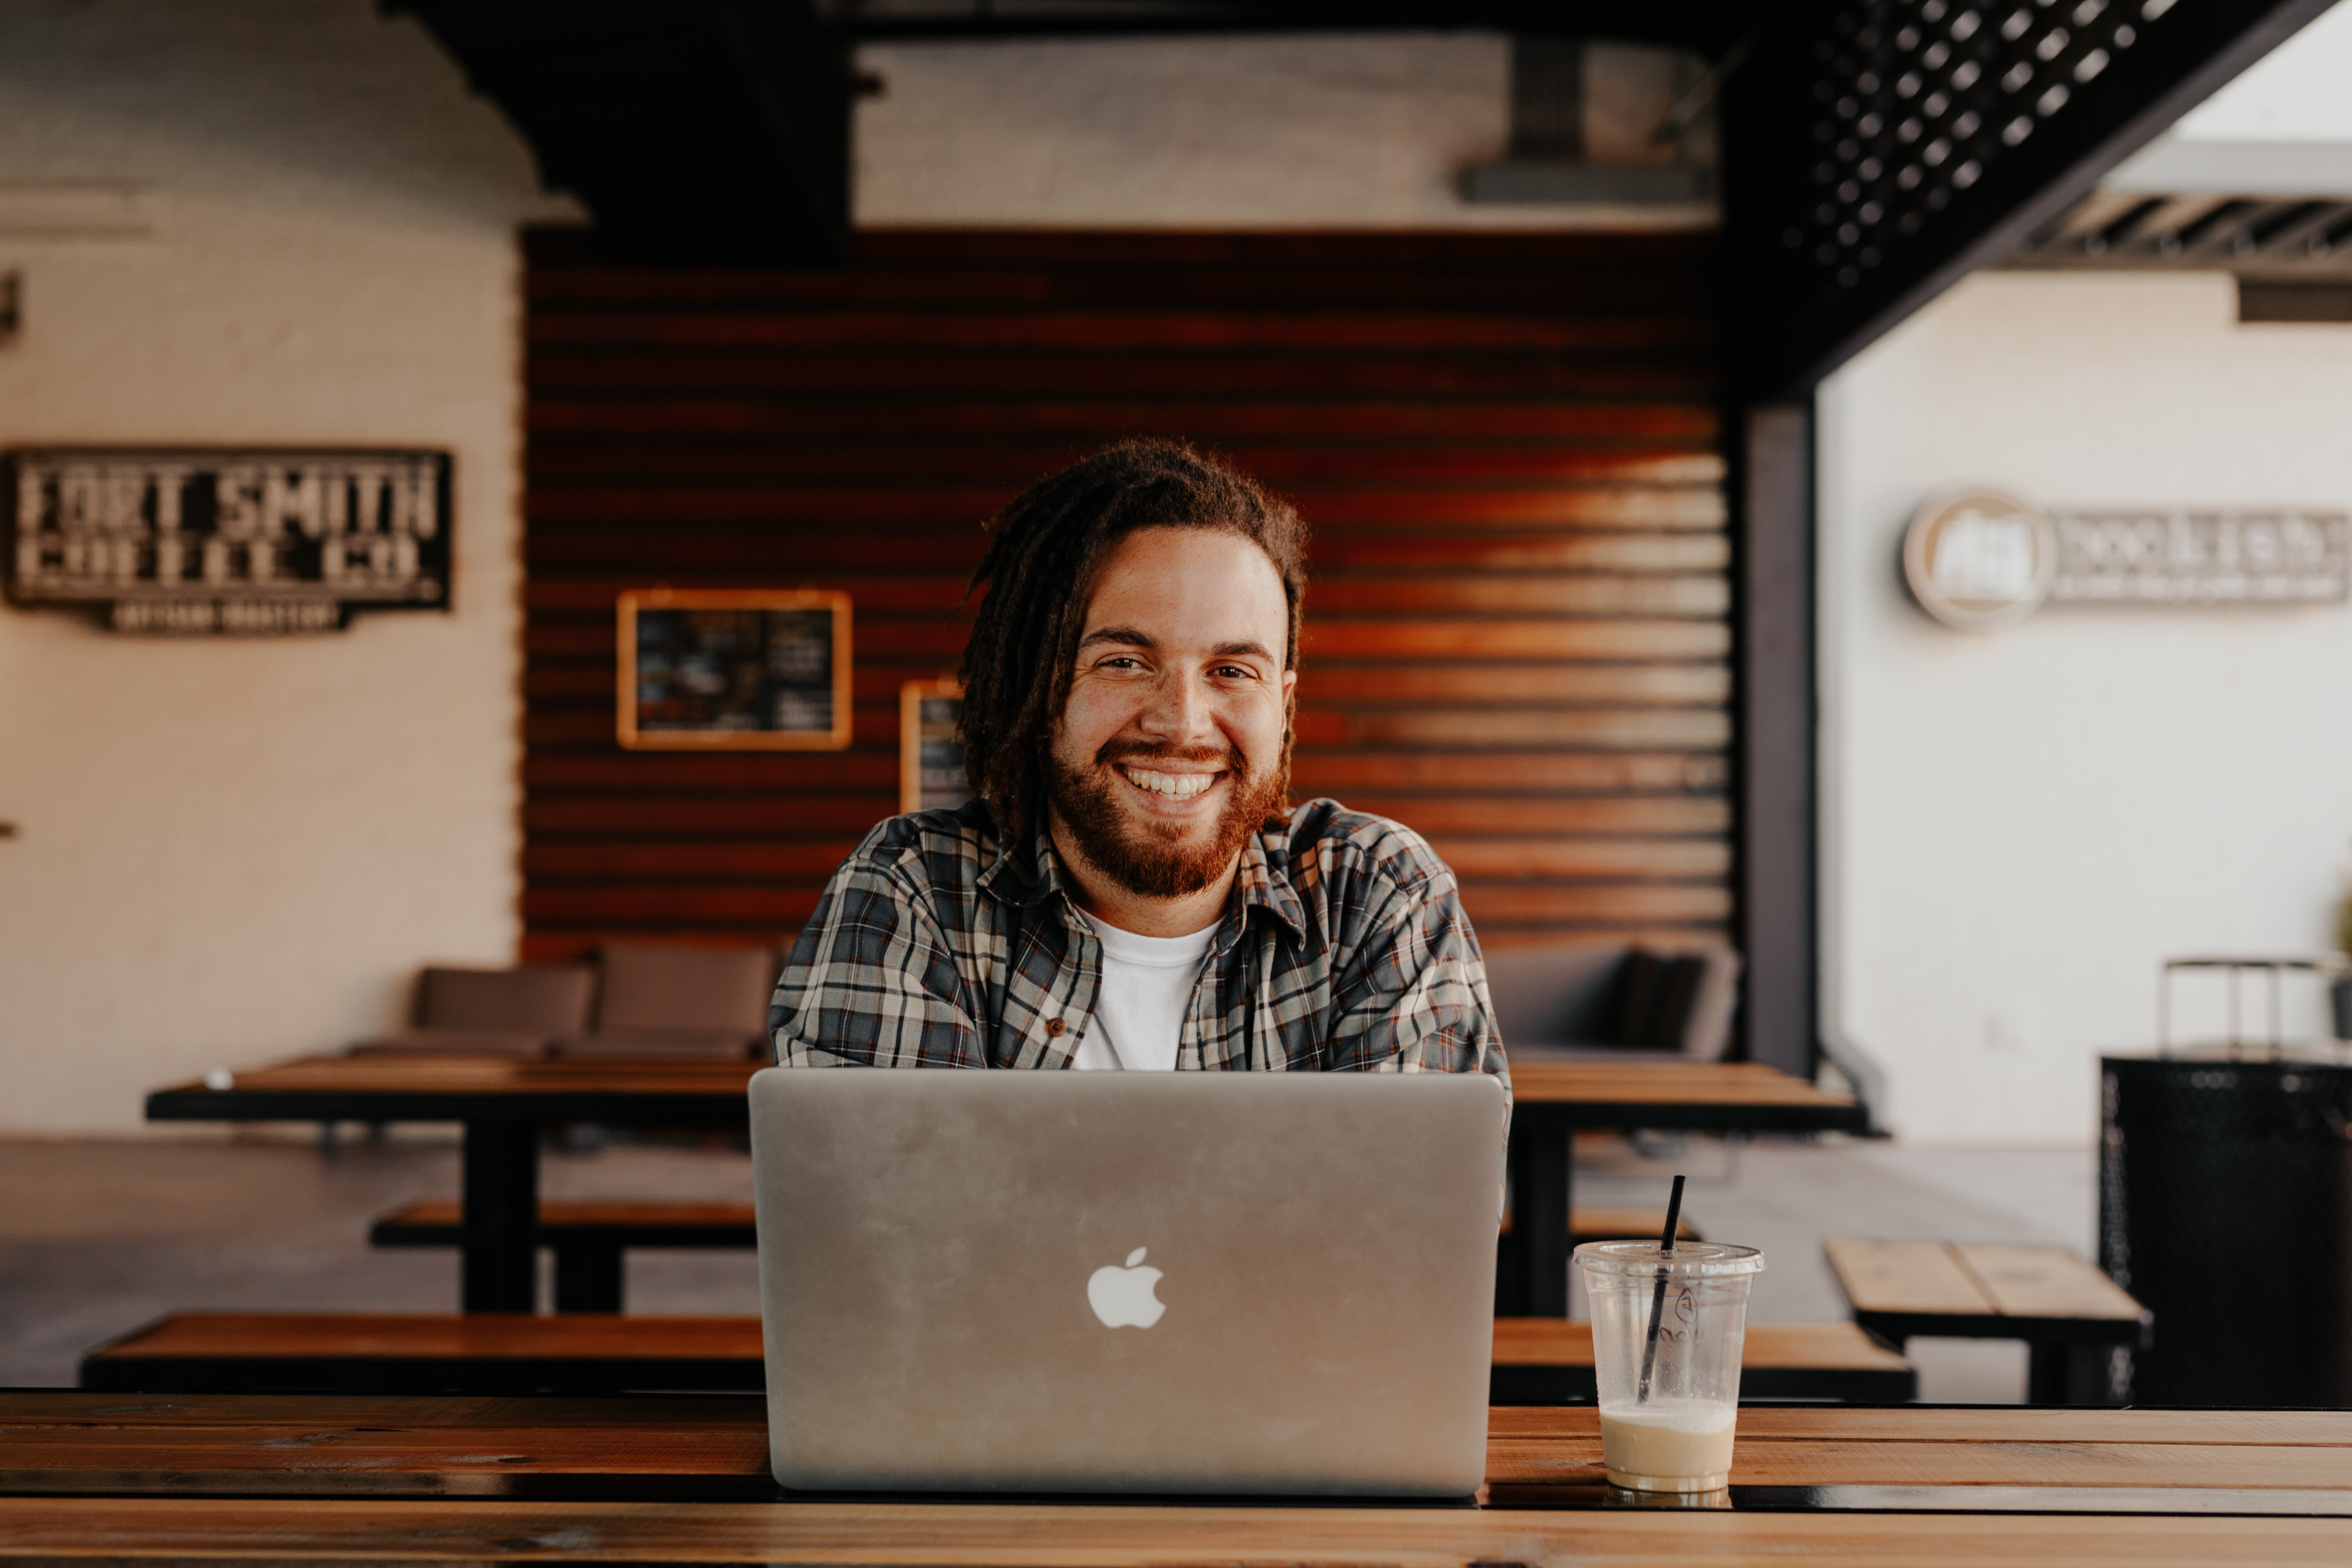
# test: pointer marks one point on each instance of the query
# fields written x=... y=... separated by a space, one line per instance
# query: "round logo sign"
x=1980 y=558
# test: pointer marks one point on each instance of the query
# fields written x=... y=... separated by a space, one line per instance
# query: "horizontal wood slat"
x=675 y=505
x=1115 y=331
x=918 y=418
x=874 y=376
x=685 y=458
x=560 y=824
x=1506 y=447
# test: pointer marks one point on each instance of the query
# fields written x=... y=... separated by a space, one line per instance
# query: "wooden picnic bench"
x=1536 y=1360
x=2075 y=1322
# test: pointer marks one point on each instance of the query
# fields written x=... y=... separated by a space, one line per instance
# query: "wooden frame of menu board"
x=913 y=731
x=733 y=669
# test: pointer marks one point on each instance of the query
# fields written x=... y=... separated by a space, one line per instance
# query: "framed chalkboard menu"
x=930 y=758
x=704 y=669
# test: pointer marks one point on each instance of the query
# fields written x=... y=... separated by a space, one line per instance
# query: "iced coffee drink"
x=1667 y=1327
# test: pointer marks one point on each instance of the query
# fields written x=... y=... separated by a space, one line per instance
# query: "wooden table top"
x=459 y=1088
x=1971 y=1279
x=1004 y=1535
x=710 y=1450
x=1668 y=1083
x=410 y=1074
x=294 y=1089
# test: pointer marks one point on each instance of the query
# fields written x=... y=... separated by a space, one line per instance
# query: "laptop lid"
x=1115 y=1281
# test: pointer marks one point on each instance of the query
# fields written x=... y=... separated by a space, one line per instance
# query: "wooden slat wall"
x=1507 y=447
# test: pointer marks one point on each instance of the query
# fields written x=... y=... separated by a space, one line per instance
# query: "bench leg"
x=1531 y=1275
x=2058 y=1373
x=587 y=1276
x=2045 y=1372
x=501 y=1269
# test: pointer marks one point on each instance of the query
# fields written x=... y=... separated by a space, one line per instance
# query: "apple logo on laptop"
x=1122 y=1297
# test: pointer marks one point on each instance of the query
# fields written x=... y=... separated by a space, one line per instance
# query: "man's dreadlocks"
x=1043 y=551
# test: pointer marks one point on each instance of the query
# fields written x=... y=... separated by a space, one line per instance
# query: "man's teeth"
x=1175 y=786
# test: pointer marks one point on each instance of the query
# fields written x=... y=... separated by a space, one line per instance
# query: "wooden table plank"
x=1983 y=1423
x=991 y=1536
x=25 y=1409
x=467 y=1075
x=1558 y=1342
x=393 y=1336
x=1906 y=1277
x=2043 y=1283
x=1669 y=1082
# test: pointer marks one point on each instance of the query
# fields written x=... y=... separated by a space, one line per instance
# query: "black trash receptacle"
x=2226 y=1207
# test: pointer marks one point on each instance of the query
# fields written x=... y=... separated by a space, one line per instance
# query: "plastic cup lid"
x=1703 y=1259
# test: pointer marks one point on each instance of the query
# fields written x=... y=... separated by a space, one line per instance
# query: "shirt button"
x=1053 y=1026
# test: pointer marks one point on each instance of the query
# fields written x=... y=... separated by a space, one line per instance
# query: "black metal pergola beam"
x=1709 y=28
x=1878 y=150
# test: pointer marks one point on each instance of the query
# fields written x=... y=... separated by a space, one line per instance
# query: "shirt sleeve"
x=1412 y=996
x=873 y=982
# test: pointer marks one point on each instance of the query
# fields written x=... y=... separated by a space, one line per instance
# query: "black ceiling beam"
x=1709 y=28
x=1878 y=150
x=705 y=130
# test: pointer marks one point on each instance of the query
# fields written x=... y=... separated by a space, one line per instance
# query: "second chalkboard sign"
x=709 y=668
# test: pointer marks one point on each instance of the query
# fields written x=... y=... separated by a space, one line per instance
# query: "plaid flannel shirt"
x=1344 y=947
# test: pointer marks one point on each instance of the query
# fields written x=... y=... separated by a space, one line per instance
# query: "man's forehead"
x=1188 y=585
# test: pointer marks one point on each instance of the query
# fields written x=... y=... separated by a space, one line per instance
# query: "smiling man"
x=1130 y=887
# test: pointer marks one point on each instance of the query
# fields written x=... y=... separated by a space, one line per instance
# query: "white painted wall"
x=1255 y=132
x=2019 y=826
x=231 y=849
x=2283 y=128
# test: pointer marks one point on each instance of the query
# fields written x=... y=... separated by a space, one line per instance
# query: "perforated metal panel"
x=2226 y=1207
x=1879 y=148
x=1914 y=102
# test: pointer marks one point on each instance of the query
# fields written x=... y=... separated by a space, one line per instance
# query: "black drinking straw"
x=1658 y=1297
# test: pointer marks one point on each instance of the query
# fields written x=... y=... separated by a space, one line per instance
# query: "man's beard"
x=1153 y=858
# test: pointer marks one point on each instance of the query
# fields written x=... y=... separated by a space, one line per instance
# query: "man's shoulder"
x=1331 y=843
x=944 y=849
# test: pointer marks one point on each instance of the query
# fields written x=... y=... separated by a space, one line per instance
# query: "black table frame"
x=1532 y=1266
x=499 y=1252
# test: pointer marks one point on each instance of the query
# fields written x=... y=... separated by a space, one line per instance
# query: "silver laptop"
x=1127 y=1281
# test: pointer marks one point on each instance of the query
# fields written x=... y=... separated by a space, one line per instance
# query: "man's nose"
x=1179 y=709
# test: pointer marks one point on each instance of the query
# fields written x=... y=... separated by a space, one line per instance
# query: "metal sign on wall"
x=1978 y=558
x=253 y=542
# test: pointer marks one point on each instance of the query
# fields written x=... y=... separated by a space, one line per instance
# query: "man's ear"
x=1289 y=687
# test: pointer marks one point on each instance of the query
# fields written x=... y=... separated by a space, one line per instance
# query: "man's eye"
x=1235 y=671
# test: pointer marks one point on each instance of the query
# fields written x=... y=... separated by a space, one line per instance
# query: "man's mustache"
x=1144 y=751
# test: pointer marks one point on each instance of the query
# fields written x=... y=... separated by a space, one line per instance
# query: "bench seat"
x=1538 y=1361
x=588 y=1237
x=421 y=1353
x=1548 y=1361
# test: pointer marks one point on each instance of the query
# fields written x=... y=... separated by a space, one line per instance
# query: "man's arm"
x=1412 y=998
x=872 y=981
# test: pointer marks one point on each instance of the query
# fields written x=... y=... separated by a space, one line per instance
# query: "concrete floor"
x=99 y=1237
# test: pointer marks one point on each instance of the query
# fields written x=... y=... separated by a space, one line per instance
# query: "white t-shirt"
x=1147 y=990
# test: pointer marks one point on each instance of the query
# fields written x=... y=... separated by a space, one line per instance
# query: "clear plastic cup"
x=1671 y=1432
